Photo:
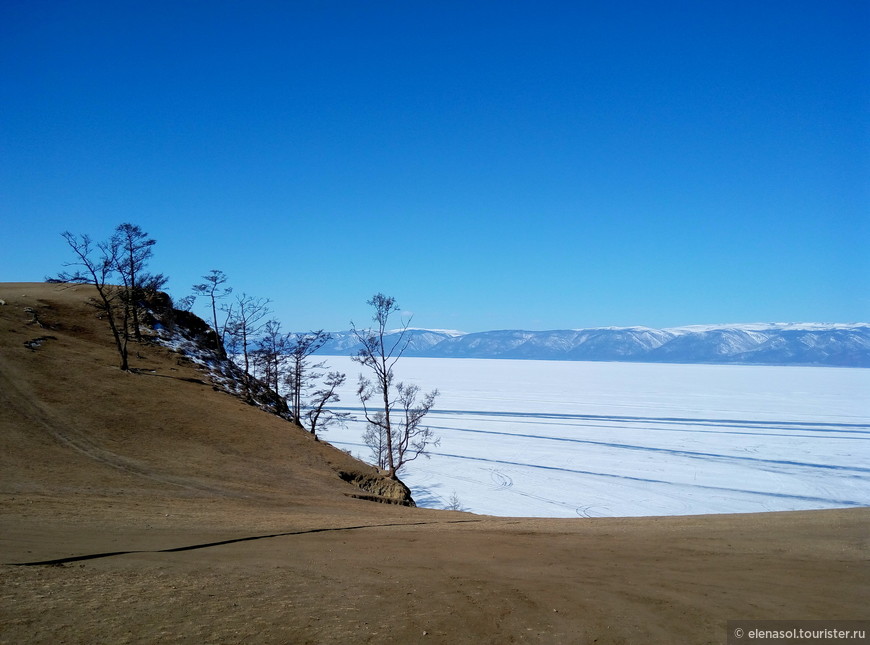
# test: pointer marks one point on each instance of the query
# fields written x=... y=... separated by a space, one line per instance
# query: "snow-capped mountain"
x=756 y=343
x=420 y=341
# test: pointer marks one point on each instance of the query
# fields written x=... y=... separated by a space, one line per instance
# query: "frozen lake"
x=568 y=439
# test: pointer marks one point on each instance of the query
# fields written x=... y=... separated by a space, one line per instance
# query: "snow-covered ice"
x=568 y=439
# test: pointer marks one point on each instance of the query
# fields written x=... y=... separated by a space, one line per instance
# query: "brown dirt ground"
x=95 y=461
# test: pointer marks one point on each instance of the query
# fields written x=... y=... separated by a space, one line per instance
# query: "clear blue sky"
x=491 y=164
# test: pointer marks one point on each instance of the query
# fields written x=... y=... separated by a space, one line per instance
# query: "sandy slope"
x=96 y=462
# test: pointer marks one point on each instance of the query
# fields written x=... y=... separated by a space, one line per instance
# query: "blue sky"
x=492 y=165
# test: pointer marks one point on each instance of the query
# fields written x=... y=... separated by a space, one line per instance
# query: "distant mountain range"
x=844 y=345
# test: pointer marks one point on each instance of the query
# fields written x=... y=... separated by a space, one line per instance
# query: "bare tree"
x=97 y=264
x=318 y=415
x=454 y=503
x=412 y=439
x=271 y=353
x=399 y=439
x=407 y=438
x=212 y=289
x=380 y=360
x=135 y=248
x=117 y=268
x=244 y=326
x=375 y=437
x=310 y=408
x=185 y=303
x=300 y=375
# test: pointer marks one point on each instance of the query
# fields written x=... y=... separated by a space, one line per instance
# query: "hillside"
x=153 y=506
x=64 y=394
x=840 y=345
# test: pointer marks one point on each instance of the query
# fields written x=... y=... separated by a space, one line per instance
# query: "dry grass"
x=95 y=461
